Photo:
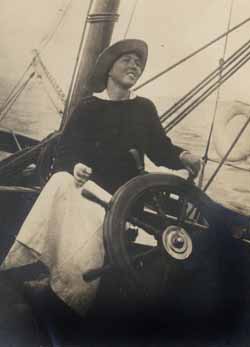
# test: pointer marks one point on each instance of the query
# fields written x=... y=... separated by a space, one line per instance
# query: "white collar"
x=104 y=95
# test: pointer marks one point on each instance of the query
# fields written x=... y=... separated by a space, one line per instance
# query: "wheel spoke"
x=145 y=226
x=157 y=204
x=195 y=226
x=160 y=218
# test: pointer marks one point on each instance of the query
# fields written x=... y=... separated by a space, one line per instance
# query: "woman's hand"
x=81 y=174
x=191 y=162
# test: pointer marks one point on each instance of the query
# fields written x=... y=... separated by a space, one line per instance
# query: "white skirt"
x=64 y=231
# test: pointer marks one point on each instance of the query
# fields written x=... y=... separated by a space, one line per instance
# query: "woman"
x=64 y=230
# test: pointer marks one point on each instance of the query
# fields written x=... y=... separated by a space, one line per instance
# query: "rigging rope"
x=130 y=19
x=187 y=97
x=49 y=76
x=231 y=164
x=10 y=95
x=71 y=87
x=227 y=154
x=52 y=34
x=208 y=92
x=205 y=95
x=221 y=63
x=58 y=110
x=16 y=140
x=228 y=28
x=192 y=54
x=15 y=97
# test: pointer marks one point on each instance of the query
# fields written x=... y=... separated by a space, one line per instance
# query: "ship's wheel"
x=171 y=249
x=158 y=231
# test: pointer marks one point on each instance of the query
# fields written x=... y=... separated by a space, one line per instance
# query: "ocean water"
x=33 y=114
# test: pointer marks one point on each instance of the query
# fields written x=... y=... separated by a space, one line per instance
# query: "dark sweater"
x=101 y=132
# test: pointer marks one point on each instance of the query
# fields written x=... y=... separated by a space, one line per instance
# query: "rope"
x=192 y=54
x=221 y=62
x=228 y=28
x=208 y=92
x=71 y=87
x=15 y=97
x=10 y=101
x=227 y=154
x=204 y=96
x=130 y=19
x=16 y=140
x=15 y=87
x=58 y=90
x=50 y=37
x=187 y=97
x=205 y=156
x=59 y=111
x=230 y=164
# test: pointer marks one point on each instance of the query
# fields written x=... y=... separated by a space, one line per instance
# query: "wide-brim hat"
x=110 y=54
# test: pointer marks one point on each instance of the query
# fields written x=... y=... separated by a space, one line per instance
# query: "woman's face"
x=126 y=70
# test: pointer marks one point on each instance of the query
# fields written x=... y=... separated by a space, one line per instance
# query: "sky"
x=172 y=29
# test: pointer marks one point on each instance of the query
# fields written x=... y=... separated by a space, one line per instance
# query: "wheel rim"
x=170 y=237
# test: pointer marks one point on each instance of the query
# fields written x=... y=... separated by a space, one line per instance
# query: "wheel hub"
x=177 y=242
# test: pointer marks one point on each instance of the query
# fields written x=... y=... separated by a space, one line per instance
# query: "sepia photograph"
x=124 y=173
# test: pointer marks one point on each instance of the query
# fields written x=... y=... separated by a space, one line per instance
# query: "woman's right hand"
x=81 y=174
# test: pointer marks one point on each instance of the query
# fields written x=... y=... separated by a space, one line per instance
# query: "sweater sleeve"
x=161 y=150
x=69 y=149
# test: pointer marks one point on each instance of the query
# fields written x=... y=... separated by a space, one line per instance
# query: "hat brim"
x=107 y=58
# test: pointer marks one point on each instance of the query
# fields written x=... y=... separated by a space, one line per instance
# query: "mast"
x=100 y=21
